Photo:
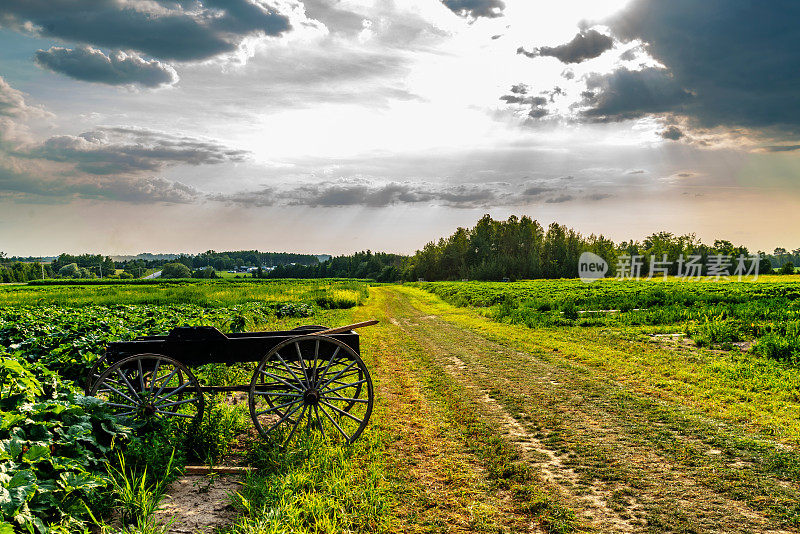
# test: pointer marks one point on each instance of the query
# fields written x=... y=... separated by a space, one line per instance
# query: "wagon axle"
x=311 y=397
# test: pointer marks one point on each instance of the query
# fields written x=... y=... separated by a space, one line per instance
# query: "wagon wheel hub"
x=311 y=397
x=149 y=410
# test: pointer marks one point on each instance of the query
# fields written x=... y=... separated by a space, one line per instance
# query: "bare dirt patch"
x=199 y=504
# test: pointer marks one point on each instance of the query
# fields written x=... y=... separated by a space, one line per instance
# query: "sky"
x=331 y=126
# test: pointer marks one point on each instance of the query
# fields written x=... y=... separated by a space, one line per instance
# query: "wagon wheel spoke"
x=155 y=377
x=164 y=390
x=319 y=422
x=281 y=380
x=270 y=410
x=296 y=424
x=346 y=437
x=342 y=412
x=282 y=419
x=300 y=358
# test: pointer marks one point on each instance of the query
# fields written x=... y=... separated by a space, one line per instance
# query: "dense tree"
x=377 y=266
x=175 y=270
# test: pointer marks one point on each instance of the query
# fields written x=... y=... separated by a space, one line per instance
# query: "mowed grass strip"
x=451 y=470
x=611 y=429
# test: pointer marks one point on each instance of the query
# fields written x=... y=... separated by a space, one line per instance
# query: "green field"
x=544 y=406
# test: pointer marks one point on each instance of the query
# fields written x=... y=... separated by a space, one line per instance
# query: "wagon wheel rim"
x=95 y=372
x=150 y=389
x=311 y=384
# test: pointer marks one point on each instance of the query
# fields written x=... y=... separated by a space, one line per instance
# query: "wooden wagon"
x=307 y=378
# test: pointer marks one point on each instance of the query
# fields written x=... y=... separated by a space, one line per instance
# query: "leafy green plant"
x=570 y=310
x=53 y=443
x=294 y=310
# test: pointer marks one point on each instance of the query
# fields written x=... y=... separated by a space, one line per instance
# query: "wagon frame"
x=309 y=378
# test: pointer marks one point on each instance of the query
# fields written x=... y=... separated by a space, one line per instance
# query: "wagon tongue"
x=311 y=397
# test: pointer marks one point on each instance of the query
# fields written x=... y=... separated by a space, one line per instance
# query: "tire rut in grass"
x=595 y=439
x=440 y=486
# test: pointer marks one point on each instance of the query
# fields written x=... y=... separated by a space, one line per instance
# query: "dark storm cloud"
x=138 y=191
x=118 y=68
x=530 y=100
x=738 y=58
x=537 y=113
x=585 y=45
x=626 y=94
x=337 y=194
x=174 y=30
x=131 y=150
x=476 y=8
x=559 y=199
x=367 y=193
x=536 y=190
x=519 y=97
x=672 y=133
x=782 y=148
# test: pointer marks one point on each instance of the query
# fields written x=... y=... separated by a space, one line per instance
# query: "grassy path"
x=584 y=437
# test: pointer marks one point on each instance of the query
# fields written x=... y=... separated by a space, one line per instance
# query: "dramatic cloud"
x=141 y=190
x=737 y=58
x=30 y=182
x=367 y=193
x=173 y=30
x=476 y=8
x=12 y=102
x=629 y=94
x=586 y=45
x=519 y=96
x=782 y=148
x=92 y=65
x=131 y=150
x=14 y=111
x=672 y=133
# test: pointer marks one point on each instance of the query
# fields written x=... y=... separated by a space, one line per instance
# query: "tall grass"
x=315 y=487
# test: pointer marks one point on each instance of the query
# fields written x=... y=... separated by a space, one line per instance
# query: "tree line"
x=380 y=266
x=521 y=248
x=516 y=248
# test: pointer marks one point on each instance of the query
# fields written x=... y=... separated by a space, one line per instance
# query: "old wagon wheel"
x=100 y=365
x=311 y=382
x=148 y=388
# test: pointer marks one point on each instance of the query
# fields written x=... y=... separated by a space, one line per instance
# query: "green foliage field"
x=762 y=316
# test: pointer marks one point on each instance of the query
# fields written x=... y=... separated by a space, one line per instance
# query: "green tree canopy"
x=175 y=270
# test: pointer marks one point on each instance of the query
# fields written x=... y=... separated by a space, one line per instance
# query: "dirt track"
x=622 y=462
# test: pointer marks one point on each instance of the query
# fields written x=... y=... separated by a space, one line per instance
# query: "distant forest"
x=517 y=248
x=16 y=269
x=521 y=248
